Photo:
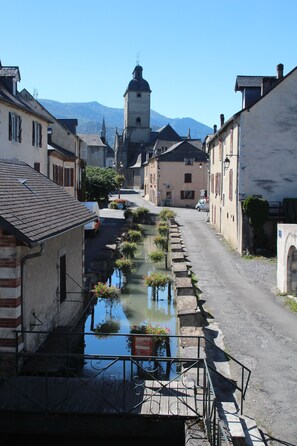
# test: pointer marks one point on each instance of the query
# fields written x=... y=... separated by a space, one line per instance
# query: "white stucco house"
x=254 y=153
x=23 y=130
x=41 y=259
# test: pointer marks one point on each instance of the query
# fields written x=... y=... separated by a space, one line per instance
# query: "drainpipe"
x=24 y=260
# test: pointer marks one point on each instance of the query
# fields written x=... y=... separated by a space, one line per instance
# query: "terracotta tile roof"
x=34 y=208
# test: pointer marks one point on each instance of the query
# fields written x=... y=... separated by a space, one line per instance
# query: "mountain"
x=90 y=117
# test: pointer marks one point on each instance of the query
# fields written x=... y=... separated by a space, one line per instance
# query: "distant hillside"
x=90 y=117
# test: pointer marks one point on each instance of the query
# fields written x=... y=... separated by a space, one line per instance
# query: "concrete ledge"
x=186 y=304
x=230 y=414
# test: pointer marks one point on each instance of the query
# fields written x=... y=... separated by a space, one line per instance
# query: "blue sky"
x=191 y=51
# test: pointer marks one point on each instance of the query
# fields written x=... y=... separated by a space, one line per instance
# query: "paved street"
x=251 y=319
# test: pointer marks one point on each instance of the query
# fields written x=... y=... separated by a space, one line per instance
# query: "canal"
x=112 y=319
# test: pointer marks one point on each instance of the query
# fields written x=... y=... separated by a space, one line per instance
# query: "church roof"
x=166 y=133
x=138 y=83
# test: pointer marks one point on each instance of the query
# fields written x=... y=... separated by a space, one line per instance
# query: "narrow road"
x=257 y=328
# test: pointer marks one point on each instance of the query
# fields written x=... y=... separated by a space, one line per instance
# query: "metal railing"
x=164 y=369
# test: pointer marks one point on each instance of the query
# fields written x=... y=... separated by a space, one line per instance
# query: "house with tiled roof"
x=41 y=257
x=23 y=130
x=254 y=154
x=64 y=149
x=177 y=176
x=31 y=134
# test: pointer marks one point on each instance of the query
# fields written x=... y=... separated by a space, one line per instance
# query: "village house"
x=253 y=154
x=176 y=177
x=23 y=130
x=97 y=151
x=33 y=135
x=64 y=149
x=41 y=258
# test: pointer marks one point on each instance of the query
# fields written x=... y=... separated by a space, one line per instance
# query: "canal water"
x=135 y=306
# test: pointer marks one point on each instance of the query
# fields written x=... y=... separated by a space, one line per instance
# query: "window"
x=187 y=194
x=139 y=95
x=68 y=177
x=218 y=183
x=212 y=183
x=58 y=174
x=189 y=161
x=37 y=167
x=62 y=278
x=36 y=134
x=138 y=120
x=230 y=184
x=188 y=178
x=15 y=127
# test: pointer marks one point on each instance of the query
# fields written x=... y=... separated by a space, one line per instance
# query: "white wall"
x=269 y=144
x=23 y=151
x=41 y=284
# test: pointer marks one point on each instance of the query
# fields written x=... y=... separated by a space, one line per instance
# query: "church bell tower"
x=137 y=109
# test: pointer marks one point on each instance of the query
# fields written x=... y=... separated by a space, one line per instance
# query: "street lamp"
x=227 y=161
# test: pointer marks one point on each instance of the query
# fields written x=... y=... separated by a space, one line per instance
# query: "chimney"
x=222 y=118
x=215 y=128
x=280 y=71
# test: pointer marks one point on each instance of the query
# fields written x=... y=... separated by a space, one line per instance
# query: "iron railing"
x=194 y=374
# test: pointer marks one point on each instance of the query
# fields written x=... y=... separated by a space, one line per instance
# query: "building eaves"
x=10 y=72
x=65 y=153
x=18 y=102
x=34 y=208
x=248 y=82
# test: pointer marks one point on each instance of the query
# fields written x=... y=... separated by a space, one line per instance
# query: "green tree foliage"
x=100 y=181
x=257 y=209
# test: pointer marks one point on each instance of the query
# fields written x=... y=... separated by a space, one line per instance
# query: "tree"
x=119 y=183
x=100 y=182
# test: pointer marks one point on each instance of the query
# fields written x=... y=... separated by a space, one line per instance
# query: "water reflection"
x=134 y=307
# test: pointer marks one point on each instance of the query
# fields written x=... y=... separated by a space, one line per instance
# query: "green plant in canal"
x=156 y=256
x=134 y=236
x=141 y=215
x=165 y=214
x=128 y=249
x=148 y=328
x=161 y=242
x=102 y=290
x=157 y=281
x=163 y=229
x=160 y=337
x=125 y=265
x=109 y=326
